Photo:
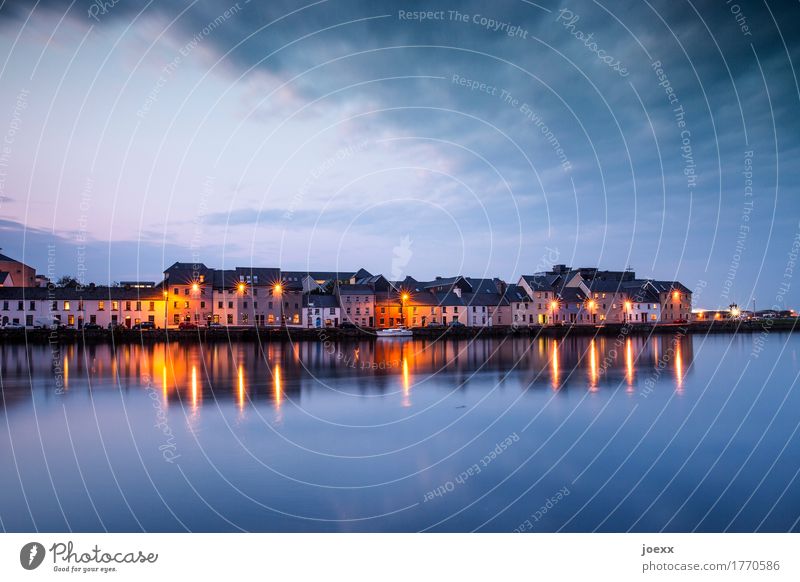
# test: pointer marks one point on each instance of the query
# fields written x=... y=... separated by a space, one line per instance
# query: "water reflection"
x=247 y=372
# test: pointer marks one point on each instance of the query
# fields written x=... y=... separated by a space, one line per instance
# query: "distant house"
x=321 y=311
x=357 y=303
x=14 y=273
x=77 y=306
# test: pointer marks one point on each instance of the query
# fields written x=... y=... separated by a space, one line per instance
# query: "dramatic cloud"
x=334 y=133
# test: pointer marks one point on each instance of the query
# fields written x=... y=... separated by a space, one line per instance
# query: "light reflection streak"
x=629 y=363
x=554 y=365
x=593 y=374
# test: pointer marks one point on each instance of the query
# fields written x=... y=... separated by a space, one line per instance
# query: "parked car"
x=145 y=325
x=13 y=326
x=456 y=324
x=347 y=325
x=91 y=326
x=435 y=324
x=187 y=325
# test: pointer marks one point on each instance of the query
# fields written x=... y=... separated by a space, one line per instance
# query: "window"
x=127 y=306
x=66 y=305
x=202 y=305
x=332 y=311
x=92 y=318
x=230 y=318
x=230 y=304
x=186 y=291
x=54 y=306
x=244 y=305
x=152 y=306
x=255 y=304
x=33 y=306
x=381 y=321
x=20 y=305
x=80 y=305
x=244 y=318
x=29 y=320
x=175 y=305
x=115 y=305
x=176 y=291
x=138 y=306
x=101 y=306
x=269 y=304
x=71 y=320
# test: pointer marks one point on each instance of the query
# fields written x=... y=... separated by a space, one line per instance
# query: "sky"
x=476 y=138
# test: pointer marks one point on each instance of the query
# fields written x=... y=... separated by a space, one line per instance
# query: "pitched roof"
x=325 y=301
x=542 y=281
x=355 y=290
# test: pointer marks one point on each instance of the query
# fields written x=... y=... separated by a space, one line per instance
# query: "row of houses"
x=194 y=294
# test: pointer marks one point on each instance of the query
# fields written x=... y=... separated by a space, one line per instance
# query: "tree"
x=67 y=281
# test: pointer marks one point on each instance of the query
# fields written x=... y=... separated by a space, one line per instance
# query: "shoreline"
x=206 y=335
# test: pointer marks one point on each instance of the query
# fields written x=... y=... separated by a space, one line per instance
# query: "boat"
x=399 y=331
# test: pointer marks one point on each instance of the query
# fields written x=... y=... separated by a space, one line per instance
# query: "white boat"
x=399 y=331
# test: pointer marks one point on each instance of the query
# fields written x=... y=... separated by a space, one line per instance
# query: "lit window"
x=66 y=305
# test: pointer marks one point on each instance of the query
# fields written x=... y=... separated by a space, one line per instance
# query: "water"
x=577 y=434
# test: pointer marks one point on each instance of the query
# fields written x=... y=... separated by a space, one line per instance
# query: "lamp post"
x=553 y=307
x=403 y=299
x=628 y=306
x=277 y=291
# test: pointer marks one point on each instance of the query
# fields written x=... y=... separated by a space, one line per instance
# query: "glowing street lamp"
x=195 y=286
x=241 y=287
x=628 y=306
x=553 y=307
x=403 y=298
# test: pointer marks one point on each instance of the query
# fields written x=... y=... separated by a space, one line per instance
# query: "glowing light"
x=676 y=295
x=735 y=312
x=66 y=373
x=241 y=287
x=628 y=305
x=278 y=287
x=195 y=286
x=404 y=296
x=554 y=305
x=593 y=373
x=592 y=304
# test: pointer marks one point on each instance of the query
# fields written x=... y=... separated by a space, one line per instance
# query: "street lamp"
x=403 y=299
x=276 y=289
x=553 y=307
x=628 y=306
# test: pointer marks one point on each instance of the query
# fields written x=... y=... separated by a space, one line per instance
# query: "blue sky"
x=343 y=134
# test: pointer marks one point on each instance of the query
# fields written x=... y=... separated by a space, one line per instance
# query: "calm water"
x=644 y=434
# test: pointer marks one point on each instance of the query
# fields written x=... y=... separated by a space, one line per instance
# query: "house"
x=14 y=273
x=321 y=311
x=75 y=306
x=357 y=303
x=188 y=290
